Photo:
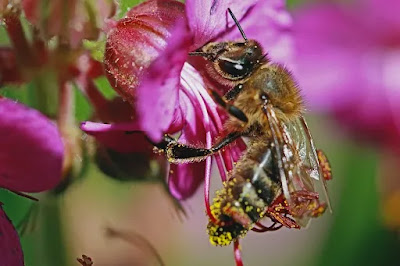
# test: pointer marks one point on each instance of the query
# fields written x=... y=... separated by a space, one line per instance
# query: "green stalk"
x=53 y=248
x=53 y=240
x=44 y=91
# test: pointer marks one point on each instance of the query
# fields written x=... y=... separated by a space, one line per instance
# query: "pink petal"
x=330 y=45
x=121 y=137
x=158 y=92
x=348 y=66
x=31 y=149
x=386 y=13
x=10 y=246
x=184 y=179
x=207 y=19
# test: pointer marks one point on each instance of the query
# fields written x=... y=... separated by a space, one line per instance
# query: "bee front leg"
x=180 y=153
x=231 y=109
x=234 y=92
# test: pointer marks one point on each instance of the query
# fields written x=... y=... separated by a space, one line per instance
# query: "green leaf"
x=3 y=36
x=96 y=48
x=105 y=87
x=125 y=5
x=17 y=93
x=83 y=109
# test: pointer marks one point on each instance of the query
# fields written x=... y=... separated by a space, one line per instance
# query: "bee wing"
x=303 y=140
x=297 y=162
x=282 y=153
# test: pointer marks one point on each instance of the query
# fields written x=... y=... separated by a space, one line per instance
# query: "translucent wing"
x=298 y=166
x=309 y=156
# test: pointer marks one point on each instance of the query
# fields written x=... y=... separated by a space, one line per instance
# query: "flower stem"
x=54 y=249
x=96 y=98
x=44 y=92
x=236 y=252
x=18 y=39
x=65 y=122
x=207 y=197
x=66 y=107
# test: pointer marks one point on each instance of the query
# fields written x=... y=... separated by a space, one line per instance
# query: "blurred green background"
x=64 y=226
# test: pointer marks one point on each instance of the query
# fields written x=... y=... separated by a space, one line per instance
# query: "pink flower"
x=31 y=153
x=31 y=157
x=148 y=64
x=348 y=61
x=10 y=247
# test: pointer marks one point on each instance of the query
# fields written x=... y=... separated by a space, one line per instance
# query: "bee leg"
x=308 y=204
x=278 y=212
x=283 y=219
x=162 y=145
x=262 y=228
x=325 y=165
x=232 y=93
x=318 y=210
x=231 y=109
x=177 y=152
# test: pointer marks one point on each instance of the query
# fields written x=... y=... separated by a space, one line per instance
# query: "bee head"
x=229 y=62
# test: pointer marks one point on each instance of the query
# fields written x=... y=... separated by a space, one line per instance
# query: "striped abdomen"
x=251 y=188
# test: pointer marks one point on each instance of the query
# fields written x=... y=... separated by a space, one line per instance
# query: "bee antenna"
x=195 y=53
x=262 y=57
x=237 y=24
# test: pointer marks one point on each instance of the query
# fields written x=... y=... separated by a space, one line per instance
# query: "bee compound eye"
x=234 y=68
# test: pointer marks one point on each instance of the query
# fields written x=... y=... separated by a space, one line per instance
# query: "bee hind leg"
x=262 y=228
x=278 y=212
x=308 y=204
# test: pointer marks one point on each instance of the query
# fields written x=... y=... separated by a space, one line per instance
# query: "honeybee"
x=278 y=173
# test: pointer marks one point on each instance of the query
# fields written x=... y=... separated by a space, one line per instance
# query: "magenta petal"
x=330 y=44
x=93 y=127
x=31 y=149
x=121 y=137
x=207 y=19
x=386 y=12
x=158 y=92
x=10 y=246
x=184 y=179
